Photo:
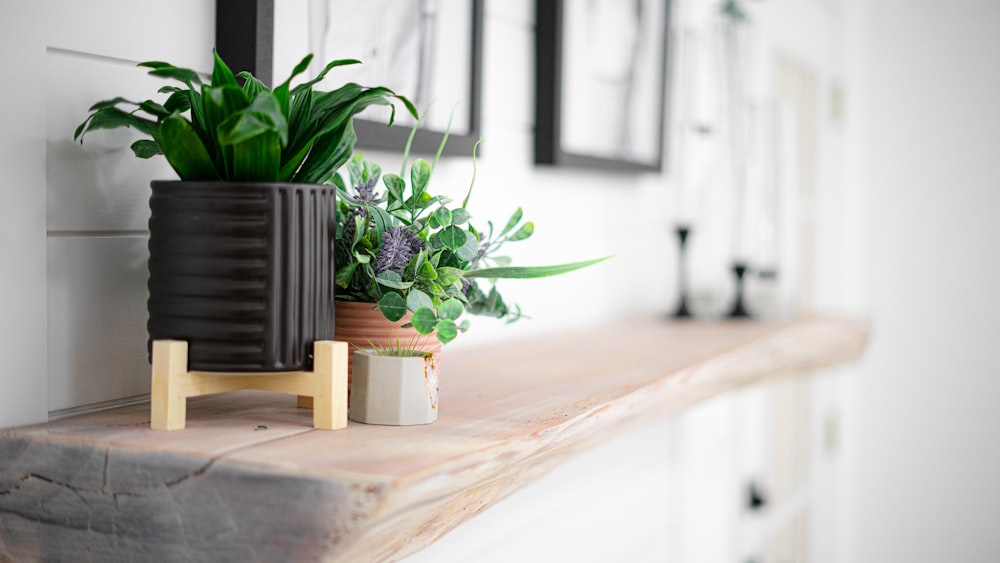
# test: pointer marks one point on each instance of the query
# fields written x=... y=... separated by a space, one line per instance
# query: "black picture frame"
x=244 y=38
x=550 y=104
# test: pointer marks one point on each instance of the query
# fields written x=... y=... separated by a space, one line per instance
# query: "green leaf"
x=167 y=70
x=322 y=74
x=185 y=151
x=329 y=152
x=417 y=299
x=447 y=276
x=362 y=258
x=453 y=237
x=257 y=159
x=221 y=74
x=395 y=185
x=262 y=116
x=153 y=108
x=446 y=330
x=178 y=102
x=441 y=217
x=344 y=275
x=427 y=272
x=528 y=272
x=392 y=306
x=105 y=104
x=281 y=93
x=420 y=175
x=460 y=216
x=113 y=118
x=144 y=148
x=470 y=249
x=251 y=86
x=512 y=222
x=424 y=320
x=451 y=309
x=472 y=183
x=359 y=229
x=464 y=326
x=393 y=280
x=437 y=290
x=524 y=232
x=218 y=105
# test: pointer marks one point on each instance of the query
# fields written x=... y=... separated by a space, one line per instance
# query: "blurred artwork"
x=612 y=75
x=418 y=48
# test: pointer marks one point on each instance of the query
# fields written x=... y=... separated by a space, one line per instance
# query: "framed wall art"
x=601 y=83
x=427 y=50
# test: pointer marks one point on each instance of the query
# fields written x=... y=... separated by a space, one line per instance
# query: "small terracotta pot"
x=362 y=326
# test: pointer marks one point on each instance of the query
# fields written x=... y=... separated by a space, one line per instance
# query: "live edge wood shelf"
x=251 y=480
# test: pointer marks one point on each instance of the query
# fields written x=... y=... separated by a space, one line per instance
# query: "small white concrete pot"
x=394 y=390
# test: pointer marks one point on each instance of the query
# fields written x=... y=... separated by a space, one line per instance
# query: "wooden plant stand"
x=325 y=387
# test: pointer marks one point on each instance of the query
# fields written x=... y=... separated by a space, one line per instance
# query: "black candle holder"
x=682 y=311
x=739 y=310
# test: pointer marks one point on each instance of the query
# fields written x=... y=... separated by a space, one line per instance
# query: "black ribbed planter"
x=242 y=271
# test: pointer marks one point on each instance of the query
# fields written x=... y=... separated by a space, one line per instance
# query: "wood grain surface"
x=250 y=480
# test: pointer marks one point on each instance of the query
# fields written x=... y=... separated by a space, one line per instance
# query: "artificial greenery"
x=407 y=250
x=227 y=131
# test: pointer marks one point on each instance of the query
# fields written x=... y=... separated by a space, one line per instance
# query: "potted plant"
x=240 y=246
x=394 y=385
x=410 y=263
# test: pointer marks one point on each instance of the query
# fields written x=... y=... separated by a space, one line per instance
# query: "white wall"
x=97 y=193
x=23 y=381
x=922 y=435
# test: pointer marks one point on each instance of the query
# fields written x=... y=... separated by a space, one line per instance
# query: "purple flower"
x=365 y=193
x=399 y=245
x=349 y=226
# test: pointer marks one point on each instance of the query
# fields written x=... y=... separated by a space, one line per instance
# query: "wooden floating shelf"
x=249 y=478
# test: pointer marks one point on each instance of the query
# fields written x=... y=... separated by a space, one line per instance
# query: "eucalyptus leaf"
x=470 y=249
x=424 y=320
x=392 y=306
x=447 y=276
x=453 y=237
x=443 y=216
x=460 y=216
x=446 y=330
x=417 y=299
x=451 y=309
x=392 y=279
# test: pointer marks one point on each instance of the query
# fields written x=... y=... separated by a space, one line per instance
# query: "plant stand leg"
x=325 y=387
x=330 y=399
x=167 y=398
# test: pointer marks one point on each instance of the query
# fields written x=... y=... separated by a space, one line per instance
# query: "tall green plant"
x=227 y=131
